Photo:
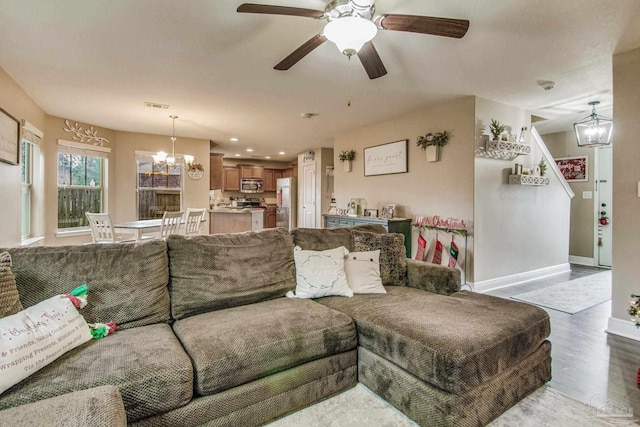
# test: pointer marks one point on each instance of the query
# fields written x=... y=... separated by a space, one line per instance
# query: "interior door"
x=604 y=209
x=309 y=196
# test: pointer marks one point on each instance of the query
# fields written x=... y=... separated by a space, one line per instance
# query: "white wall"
x=626 y=175
x=518 y=229
x=443 y=188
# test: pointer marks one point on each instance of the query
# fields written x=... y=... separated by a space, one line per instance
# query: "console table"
x=394 y=225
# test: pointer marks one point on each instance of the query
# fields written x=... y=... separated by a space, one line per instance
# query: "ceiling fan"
x=352 y=24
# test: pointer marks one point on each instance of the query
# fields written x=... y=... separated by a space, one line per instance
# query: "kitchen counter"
x=233 y=220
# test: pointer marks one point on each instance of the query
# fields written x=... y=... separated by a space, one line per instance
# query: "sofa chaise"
x=206 y=337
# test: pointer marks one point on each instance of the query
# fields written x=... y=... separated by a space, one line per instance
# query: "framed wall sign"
x=386 y=158
x=9 y=138
x=574 y=169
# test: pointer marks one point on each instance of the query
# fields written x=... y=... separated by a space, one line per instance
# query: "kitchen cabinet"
x=394 y=225
x=252 y=172
x=271 y=177
x=216 y=171
x=231 y=181
x=290 y=173
x=270 y=217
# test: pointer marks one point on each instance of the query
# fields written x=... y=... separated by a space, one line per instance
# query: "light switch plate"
x=587 y=195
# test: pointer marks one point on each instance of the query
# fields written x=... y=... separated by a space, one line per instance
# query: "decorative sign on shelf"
x=574 y=169
x=386 y=158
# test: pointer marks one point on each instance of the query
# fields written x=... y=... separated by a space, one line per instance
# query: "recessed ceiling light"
x=282 y=153
x=234 y=139
x=237 y=155
x=267 y=157
x=249 y=150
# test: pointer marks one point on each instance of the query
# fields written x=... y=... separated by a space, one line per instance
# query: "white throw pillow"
x=321 y=273
x=363 y=272
x=35 y=337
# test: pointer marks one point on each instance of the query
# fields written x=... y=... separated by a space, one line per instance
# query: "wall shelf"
x=528 y=180
x=503 y=150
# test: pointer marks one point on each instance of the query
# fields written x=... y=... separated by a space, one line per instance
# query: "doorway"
x=603 y=206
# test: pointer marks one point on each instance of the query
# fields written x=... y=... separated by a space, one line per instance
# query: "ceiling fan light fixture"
x=350 y=33
x=593 y=130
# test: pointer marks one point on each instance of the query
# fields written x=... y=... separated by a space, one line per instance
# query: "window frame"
x=82 y=149
x=143 y=157
x=26 y=189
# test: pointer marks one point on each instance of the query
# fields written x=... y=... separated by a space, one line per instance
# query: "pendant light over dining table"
x=162 y=158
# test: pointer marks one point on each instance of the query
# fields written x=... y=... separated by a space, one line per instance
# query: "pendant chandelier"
x=593 y=130
x=161 y=158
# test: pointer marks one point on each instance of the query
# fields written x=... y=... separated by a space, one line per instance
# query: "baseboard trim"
x=581 y=260
x=623 y=328
x=516 y=279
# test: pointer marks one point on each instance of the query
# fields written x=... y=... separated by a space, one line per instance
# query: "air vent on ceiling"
x=156 y=105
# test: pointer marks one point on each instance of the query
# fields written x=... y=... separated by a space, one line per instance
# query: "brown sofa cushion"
x=393 y=258
x=241 y=344
x=316 y=239
x=127 y=282
x=98 y=406
x=147 y=364
x=452 y=342
x=9 y=297
x=227 y=270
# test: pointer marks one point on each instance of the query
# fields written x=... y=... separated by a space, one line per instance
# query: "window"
x=159 y=188
x=80 y=188
x=27 y=187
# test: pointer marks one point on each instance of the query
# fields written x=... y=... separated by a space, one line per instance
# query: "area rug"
x=359 y=407
x=572 y=296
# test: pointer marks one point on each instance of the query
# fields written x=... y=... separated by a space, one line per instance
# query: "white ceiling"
x=97 y=62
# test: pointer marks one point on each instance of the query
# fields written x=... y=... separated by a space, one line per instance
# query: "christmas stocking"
x=422 y=244
x=437 y=253
x=453 y=253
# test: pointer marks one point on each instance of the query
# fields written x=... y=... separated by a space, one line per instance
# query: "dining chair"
x=102 y=229
x=193 y=221
x=170 y=223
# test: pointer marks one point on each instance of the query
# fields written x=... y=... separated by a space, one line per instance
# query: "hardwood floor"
x=587 y=363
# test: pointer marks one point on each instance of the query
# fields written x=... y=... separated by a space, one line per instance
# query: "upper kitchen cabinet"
x=231 y=181
x=216 y=177
x=252 y=172
x=291 y=172
x=271 y=177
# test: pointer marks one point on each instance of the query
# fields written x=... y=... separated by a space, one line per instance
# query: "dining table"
x=138 y=228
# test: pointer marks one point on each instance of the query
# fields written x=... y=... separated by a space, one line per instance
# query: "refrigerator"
x=286 y=203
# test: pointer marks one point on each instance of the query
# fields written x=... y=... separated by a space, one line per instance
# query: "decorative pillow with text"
x=38 y=335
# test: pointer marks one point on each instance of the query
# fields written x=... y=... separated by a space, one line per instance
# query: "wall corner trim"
x=623 y=328
x=518 y=278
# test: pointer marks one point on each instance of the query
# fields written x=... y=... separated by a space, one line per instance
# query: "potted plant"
x=496 y=128
x=543 y=167
x=346 y=157
x=432 y=142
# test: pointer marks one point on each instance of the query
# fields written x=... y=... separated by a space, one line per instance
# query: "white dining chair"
x=170 y=224
x=193 y=221
x=102 y=229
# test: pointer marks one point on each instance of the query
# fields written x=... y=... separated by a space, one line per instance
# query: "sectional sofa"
x=206 y=336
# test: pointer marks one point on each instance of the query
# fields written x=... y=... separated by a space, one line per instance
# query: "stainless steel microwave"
x=251 y=185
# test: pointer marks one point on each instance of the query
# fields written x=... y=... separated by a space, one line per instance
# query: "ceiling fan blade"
x=446 y=27
x=300 y=52
x=279 y=10
x=371 y=61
